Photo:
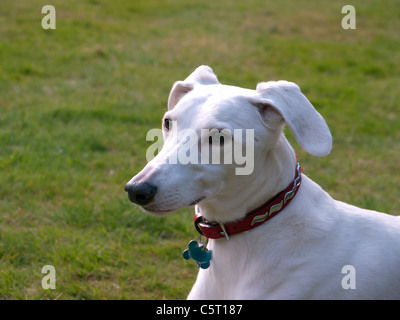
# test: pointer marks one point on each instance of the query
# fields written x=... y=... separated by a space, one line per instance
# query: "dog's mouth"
x=196 y=201
x=156 y=211
x=161 y=211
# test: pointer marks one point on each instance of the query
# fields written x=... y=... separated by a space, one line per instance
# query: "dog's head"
x=207 y=121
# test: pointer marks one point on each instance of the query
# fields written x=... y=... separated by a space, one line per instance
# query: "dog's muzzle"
x=141 y=193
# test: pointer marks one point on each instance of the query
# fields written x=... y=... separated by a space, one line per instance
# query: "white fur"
x=300 y=253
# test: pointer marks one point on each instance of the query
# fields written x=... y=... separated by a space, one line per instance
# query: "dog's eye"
x=217 y=136
x=167 y=124
x=221 y=140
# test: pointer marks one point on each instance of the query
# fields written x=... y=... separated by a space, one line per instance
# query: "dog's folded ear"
x=307 y=125
x=179 y=89
x=202 y=75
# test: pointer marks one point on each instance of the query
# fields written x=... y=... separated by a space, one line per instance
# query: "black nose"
x=140 y=193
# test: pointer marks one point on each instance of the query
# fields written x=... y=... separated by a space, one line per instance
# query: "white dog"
x=275 y=234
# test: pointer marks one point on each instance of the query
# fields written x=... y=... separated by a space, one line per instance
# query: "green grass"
x=76 y=104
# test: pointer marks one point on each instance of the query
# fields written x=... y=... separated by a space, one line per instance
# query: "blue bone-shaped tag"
x=199 y=254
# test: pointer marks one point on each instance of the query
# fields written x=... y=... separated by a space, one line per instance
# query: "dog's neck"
x=272 y=173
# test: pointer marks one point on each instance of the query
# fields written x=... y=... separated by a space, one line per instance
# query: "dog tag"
x=200 y=254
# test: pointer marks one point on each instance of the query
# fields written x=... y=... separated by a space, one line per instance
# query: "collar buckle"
x=223 y=232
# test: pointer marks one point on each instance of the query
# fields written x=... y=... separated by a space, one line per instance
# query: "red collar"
x=254 y=218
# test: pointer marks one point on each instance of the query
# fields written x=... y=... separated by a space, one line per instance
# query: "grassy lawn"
x=76 y=104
